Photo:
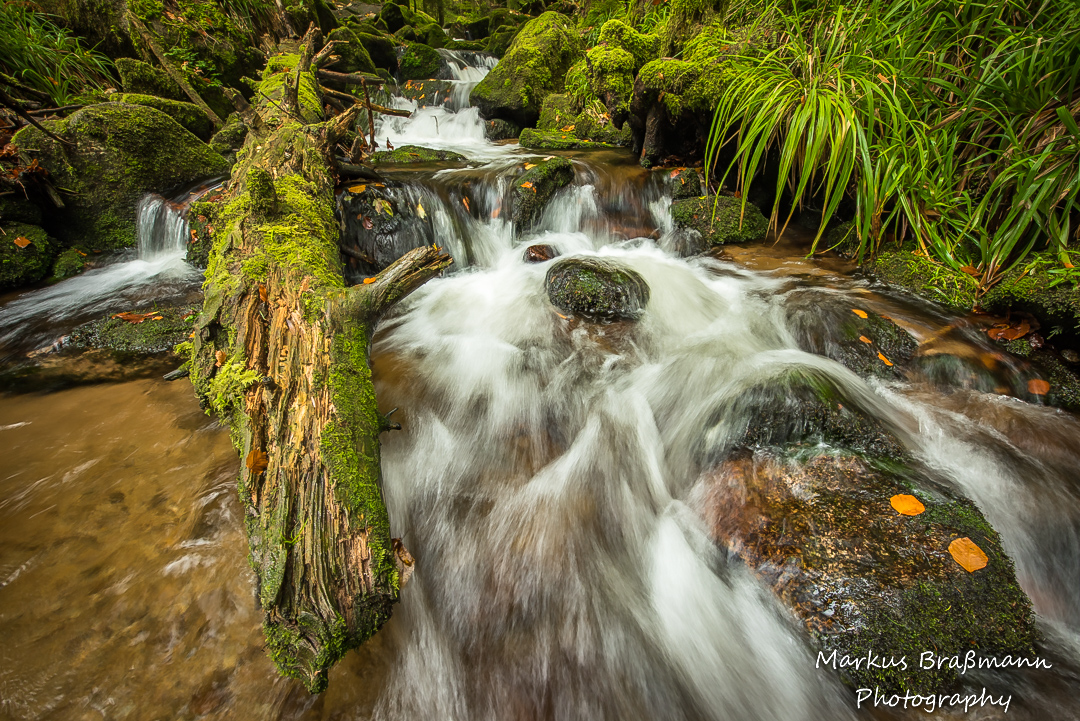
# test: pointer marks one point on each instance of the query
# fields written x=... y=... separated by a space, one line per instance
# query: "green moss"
x=279 y=71
x=617 y=34
x=119 y=152
x=227 y=141
x=415 y=154
x=597 y=290
x=534 y=67
x=354 y=56
x=21 y=266
x=557 y=112
x=534 y=188
x=187 y=114
x=1041 y=288
x=420 y=62
x=167 y=328
x=731 y=224
x=541 y=140
x=381 y=50
x=17 y=209
x=144 y=79
x=611 y=76
x=69 y=263
x=922 y=276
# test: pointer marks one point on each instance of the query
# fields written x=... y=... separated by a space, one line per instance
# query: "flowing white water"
x=157 y=274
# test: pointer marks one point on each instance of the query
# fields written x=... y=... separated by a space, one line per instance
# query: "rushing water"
x=545 y=480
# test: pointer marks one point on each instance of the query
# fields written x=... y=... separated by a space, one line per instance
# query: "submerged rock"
x=415 y=154
x=118 y=152
x=731 y=224
x=26 y=254
x=534 y=189
x=598 y=290
x=540 y=253
x=534 y=67
x=804 y=497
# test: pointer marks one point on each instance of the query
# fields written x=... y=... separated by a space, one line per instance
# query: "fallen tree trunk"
x=280 y=353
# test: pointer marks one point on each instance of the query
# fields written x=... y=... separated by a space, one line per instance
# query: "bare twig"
x=7 y=101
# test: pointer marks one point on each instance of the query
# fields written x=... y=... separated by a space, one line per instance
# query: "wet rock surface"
x=598 y=290
x=540 y=253
x=415 y=154
x=533 y=189
x=144 y=331
x=383 y=224
x=731 y=223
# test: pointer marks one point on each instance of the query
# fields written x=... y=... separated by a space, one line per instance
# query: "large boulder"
x=816 y=497
x=26 y=254
x=190 y=115
x=352 y=51
x=117 y=152
x=144 y=79
x=597 y=290
x=533 y=189
x=420 y=62
x=534 y=67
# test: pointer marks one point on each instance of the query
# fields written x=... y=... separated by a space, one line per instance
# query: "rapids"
x=545 y=480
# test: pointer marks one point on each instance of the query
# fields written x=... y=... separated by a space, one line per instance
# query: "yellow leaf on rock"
x=357 y=189
x=906 y=505
x=884 y=360
x=22 y=241
x=369 y=281
x=864 y=339
x=530 y=166
x=967 y=554
x=420 y=210
x=568 y=128
x=860 y=313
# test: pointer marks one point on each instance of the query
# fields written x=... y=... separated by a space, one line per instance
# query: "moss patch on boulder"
x=922 y=276
x=415 y=154
x=354 y=55
x=541 y=140
x=69 y=263
x=534 y=188
x=732 y=224
x=534 y=67
x=144 y=79
x=420 y=62
x=187 y=114
x=17 y=209
x=227 y=141
x=24 y=263
x=118 y=152
x=597 y=290
x=617 y=34
x=159 y=333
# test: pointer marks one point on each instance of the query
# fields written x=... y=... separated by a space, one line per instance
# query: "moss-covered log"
x=280 y=352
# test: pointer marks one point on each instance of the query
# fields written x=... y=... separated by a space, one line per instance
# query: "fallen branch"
x=374 y=106
x=348 y=78
x=7 y=101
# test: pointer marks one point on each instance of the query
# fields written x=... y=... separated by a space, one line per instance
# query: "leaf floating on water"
x=967 y=554
x=357 y=188
x=219 y=358
x=906 y=505
x=257 y=461
x=866 y=340
x=884 y=360
x=22 y=241
x=369 y=281
x=367 y=223
x=465 y=201
x=1038 y=387
x=420 y=210
x=860 y=313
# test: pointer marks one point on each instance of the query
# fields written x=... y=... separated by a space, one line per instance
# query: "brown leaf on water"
x=967 y=554
x=219 y=358
x=1038 y=387
x=22 y=241
x=884 y=360
x=906 y=505
x=866 y=340
x=257 y=461
x=860 y=313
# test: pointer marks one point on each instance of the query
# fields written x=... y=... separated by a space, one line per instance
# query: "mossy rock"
x=471 y=45
x=381 y=50
x=1030 y=288
x=924 y=277
x=611 y=77
x=534 y=67
x=1048 y=366
x=500 y=41
x=420 y=62
x=541 y=140
x=597 y=290
x=118 y=153
x=17 y=209
x=684 y=183
x=499 y=129
x=432 y=35
x=560 y=111
x=159 y=333
x=279 y=70
x=642 y=48
x=187 y=114
x=144 y=79
x=479 y=28
x=844 y=239
x=818 y=529
x=395 y=16
x=697 y=214
x=502 y=18
x=534 y=188
x=69 y=263
x=835 y=328
x=597 y=126
x=21 y=266
x=227 y=141
x=354 y=55
x=557 y=111
x=415 y=154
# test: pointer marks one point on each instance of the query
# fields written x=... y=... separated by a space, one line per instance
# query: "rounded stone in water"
x=598 y=290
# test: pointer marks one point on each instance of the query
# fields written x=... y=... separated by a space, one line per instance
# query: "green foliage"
x=44 y=56
x=953 y=124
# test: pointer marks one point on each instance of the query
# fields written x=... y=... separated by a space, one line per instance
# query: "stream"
x=545 y=480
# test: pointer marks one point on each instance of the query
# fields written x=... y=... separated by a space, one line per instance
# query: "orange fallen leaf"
x=860 y=313
x=568 y=128
x=257 y=461
x=357 y=188
x=22 y=241
x=527 y=184
x=466 y=202
x=1038 y=387
x=219 y=358
x=864 y=339
x=906 y=505
x=530 y=166
x=967 y=554
x=884 y=360
x=262 y=292
x=674 y=173
x=495 y=213
x=369 y=281
x=132 y=317
x=970 y=271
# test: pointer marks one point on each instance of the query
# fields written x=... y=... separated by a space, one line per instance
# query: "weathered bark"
x=280 y=352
